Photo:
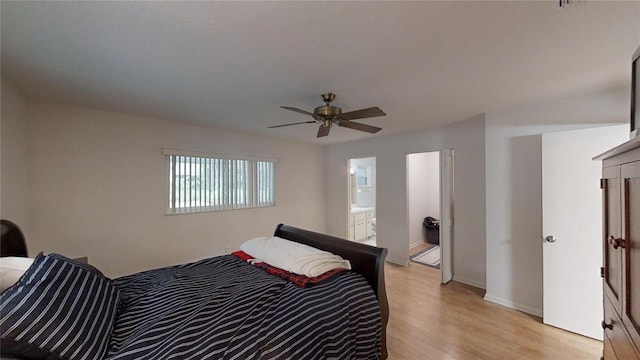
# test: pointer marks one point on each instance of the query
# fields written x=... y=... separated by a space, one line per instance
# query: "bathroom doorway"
x=362 y=200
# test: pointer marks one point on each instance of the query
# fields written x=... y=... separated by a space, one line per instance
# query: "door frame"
x=447 y=192
x=446 y=189
x=350 y=191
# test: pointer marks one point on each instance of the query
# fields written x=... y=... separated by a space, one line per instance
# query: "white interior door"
x=446 y=214
x=572 y=227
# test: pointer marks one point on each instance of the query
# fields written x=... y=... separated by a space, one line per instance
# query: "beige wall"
x=514 y=188
x=98 y=189
x=467 y=138
x=13 y=169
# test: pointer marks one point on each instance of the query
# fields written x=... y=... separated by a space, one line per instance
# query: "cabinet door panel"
x=631 y=313
x=612 y=230
x=616 y=335
x=608 y=352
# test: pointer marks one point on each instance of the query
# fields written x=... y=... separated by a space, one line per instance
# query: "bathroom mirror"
x=363 y=176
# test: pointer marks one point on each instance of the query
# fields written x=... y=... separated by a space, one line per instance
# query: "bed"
x=183 y=311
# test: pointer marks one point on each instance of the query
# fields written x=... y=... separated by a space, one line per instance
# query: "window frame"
x=251 y=195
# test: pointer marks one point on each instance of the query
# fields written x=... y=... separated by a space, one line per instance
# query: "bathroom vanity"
x=361 y=223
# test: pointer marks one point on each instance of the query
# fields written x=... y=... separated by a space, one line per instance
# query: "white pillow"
x=11 y=269
x=294 y=257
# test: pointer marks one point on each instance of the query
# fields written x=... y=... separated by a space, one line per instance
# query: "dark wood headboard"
x=12 y=241
x=365 y=260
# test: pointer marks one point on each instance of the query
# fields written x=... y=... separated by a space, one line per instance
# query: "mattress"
x=224 y=308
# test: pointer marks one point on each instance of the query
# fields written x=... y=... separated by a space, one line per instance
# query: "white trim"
x=447 y=214
x=469 y=282
x=513 y=305
x=177 y=152
x=397 y=262
x=416 y=244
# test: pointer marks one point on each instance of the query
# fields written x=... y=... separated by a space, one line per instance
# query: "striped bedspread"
x=223 y=308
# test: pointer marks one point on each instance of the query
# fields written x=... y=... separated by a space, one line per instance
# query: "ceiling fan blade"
x=295 y=123
x=362 y=113
x=359 y=126
x=323 y=130
x=297 y=110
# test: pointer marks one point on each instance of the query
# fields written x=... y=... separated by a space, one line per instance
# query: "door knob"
x=550 y=238
x=607 y=324
x=616 y=243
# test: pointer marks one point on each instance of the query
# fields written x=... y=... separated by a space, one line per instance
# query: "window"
x=199 y=183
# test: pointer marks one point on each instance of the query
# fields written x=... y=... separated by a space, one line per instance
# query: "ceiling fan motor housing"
x=326 y=112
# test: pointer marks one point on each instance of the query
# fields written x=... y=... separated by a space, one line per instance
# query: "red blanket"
x=300 y=280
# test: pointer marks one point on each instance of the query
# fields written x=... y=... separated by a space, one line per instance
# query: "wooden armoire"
x=621 y=250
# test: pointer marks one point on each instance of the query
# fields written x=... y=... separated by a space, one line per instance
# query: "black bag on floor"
x=432 y=230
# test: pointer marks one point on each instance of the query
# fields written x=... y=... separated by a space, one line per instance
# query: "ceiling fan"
x=327 y=115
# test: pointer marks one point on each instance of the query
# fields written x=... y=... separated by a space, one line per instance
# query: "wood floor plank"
x=433 y=321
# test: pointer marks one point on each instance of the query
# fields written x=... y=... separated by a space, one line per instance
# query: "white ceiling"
x=232 y=64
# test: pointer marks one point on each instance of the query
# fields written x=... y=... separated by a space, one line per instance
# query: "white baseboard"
x=513 y=305
x=413 y=245
x=397 y=262
x=469 y=282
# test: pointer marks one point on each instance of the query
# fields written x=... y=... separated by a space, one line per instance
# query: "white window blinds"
x=200 y=183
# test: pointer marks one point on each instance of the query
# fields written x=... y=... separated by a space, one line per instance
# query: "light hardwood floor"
x=433 y=321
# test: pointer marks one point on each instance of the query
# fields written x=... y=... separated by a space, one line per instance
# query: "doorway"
x=362 y=200
x=430 y=210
